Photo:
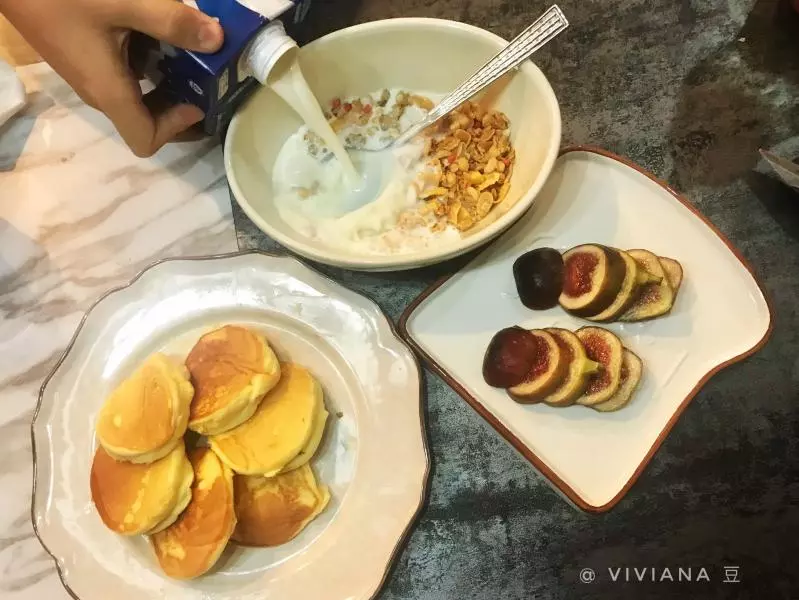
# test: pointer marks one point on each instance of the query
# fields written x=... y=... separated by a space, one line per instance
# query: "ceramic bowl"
x=429 y=55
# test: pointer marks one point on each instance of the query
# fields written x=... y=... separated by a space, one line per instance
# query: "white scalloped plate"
x=720 y=316
x=373 y=456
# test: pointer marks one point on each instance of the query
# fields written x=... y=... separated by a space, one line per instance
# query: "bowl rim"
x=389 y=262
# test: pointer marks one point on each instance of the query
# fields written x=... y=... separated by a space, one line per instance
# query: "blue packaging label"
x=216 y=82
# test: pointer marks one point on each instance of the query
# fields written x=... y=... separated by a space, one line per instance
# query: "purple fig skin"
x=509 y=357
x=539 y=276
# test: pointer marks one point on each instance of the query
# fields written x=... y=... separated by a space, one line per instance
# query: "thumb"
x=173 y=22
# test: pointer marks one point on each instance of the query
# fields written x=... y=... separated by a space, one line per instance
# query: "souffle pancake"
x=192 y=545
x=134 y=499
x=273 y=510
x=146 y=416
x=279 y=430
x=232 y=368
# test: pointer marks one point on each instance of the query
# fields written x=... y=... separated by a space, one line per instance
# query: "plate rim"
x=514 y=441
x=404 y=537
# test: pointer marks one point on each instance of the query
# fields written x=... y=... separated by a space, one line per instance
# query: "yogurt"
x=381 y=213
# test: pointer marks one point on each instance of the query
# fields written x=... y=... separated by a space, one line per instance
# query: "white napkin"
x=12 y=92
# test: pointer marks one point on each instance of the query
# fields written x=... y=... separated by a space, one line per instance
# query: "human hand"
x=86 y=43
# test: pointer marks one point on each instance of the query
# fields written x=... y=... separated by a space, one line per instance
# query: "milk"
x=287 y=81
x=313 y=195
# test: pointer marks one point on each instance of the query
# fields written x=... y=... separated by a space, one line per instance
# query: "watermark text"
x=676 y=574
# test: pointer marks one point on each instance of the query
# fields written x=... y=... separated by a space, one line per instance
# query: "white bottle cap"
x=268 y=47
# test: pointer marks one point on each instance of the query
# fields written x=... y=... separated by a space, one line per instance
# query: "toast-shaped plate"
x=720 y=316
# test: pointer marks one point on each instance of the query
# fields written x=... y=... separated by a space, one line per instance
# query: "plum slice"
x=593 y=277
x=510 y=356
x=603 y=347
x=539 y=278
x=548 y=371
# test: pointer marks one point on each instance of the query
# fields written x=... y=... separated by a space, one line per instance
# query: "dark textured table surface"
x=690 y=90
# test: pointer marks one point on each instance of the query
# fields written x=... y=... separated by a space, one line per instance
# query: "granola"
x=465 y=161
x=470 y=162
x=374 y=121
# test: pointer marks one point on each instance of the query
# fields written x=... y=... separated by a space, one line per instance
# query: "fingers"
x=136 y=47
x=173 y=122
x=143 y=130
x=173 y=22
x=145 y=124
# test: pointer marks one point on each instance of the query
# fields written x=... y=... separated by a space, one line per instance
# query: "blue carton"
x=217 y=83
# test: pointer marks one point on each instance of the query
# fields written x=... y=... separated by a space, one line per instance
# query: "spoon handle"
x=546 y=27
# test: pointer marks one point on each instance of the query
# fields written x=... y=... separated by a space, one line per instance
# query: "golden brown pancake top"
x=189 y=547
x=142 y=404
x=221 y=364
x=279 y=429
x=119 y=487
x=272 y=510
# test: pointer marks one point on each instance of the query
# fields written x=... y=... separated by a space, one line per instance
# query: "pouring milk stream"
x=357 y=193
x=349 y=199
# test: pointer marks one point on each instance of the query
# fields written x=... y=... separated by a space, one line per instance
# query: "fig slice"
x=655 y=298
x=580 y=368
x=635 y=276
x=593 y=277
x=631 y=370
x=510 y=357
x=674 y=274
x=538 y=275
x=605 y=348
x=548 y=372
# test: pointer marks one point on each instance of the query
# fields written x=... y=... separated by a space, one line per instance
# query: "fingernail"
x=209 y=36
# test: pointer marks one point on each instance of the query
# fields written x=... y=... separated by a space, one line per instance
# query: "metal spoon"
x=787 y=170
x=545 y=28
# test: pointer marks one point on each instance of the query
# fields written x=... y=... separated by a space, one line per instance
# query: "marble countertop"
x=690 y=90
x=79 y=214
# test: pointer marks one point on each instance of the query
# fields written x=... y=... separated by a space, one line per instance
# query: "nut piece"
x=471 y=149
x=468 y=154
